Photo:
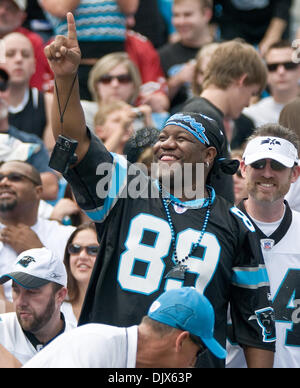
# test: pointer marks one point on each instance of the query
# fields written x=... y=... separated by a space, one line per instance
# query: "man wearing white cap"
x=269 y=166
x=179 y=325
x=39 y=289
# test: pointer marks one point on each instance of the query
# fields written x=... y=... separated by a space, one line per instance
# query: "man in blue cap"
x=179 y=325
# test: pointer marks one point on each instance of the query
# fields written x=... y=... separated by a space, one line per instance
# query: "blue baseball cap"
x=186 y=309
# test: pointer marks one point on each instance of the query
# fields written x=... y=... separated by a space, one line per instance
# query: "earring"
x=207 y=164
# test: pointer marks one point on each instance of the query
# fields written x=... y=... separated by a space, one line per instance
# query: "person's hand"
x=64 y=207
x=63 y=53
x=20 y=237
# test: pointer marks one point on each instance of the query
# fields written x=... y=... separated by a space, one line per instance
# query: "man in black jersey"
x=156 y=241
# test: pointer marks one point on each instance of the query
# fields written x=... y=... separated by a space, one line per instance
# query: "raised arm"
x=64 y=56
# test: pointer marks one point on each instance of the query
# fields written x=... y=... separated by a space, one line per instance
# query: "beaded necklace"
x=178 y=272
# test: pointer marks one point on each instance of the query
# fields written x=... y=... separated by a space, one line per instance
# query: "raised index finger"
x=72 y=34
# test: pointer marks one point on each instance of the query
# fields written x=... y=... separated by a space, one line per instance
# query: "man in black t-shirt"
x=259 y=23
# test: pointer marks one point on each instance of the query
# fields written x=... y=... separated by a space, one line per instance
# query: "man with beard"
x=39 y=288
x=20 y=226
x=269 y=166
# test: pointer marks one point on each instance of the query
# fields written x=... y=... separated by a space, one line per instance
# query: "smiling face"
x=267 y=185
x=82 y=263
x=191 y=21
x=177 y=149
x=18 y=194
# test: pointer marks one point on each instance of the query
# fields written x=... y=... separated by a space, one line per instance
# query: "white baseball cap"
x=268 y=147
x=22 y=4
x=35 y=268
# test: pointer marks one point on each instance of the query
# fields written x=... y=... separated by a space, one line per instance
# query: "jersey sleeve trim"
x=116 y=186
x=250 y=277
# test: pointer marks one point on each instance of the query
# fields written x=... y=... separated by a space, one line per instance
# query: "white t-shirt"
x=53 y=236
x=90 y=346
x=264 y=111
x=293 y=196
x=15 y=341
x=67 y=310
x=283 y=266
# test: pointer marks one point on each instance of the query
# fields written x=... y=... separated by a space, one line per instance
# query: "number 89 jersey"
x=136 y=253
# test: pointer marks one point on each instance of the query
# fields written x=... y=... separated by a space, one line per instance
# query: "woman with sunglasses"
x=80 y=255
x=115 y=78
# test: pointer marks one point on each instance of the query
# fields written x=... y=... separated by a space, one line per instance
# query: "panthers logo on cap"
x=25 y=261
x=272 y=143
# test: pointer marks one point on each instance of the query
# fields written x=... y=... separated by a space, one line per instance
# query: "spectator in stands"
x=202 y=59
x=114 y=125
x=116 y=78
x=29 y=109
x=12 y=18
x=283 y=78
x=80 y=256
x=39 y=289
x=16 y=144
x=20 y=228
x=259 y=23
x=233 y=76
x=191 y=20
x=36 y=21
x=290 y=118
x=102 y=29
x=236 y=130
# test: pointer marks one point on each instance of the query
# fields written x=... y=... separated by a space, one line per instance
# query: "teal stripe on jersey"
x=250 y=277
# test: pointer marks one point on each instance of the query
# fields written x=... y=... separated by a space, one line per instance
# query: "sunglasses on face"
x=75 y=249
x=17 y=177
x=287 y=65
x=261 y=164
x=122 y=78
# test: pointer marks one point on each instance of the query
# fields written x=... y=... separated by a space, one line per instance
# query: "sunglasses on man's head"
x=122 y=78
x=261 y=164
x=75 y=249
x=287 y=65
x=17 y=177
